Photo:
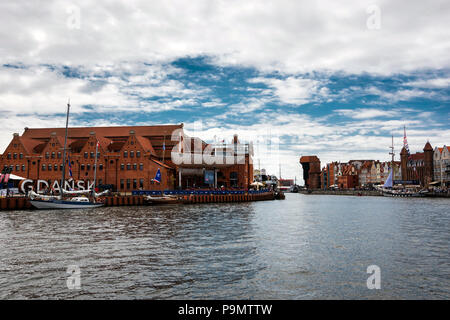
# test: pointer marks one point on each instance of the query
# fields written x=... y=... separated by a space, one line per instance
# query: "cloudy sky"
x=330 y=78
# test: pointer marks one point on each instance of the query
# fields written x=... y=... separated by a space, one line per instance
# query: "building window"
x=100 y=167
x=56 y=167
x=128 y=166
x=138 y=154
x=53 y=155
x=82 y=167
x=128 y=183
x=125 y=154
x=233 y=179
x=50 y=167
x=122 y=185
x=131 y=154
x=85 y=155
x=88 y=167
x=92 y=155
x=60 y=167
x=9 y=155
x=141 y=166
x=100 y=182
x=17 y=167
x=141 y=183
x=15 y=156
x=20 y=155
x=122 y=166
x=59 y=155
x=134 y=166
x=23 y=167
x=134 y=184
x=53 y=144
x=98 y=155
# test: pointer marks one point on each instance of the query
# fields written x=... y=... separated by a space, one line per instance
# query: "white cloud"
x=41 y=90
x=435 y=83
x=292 y=90
x=290 y=36
x=366 y=113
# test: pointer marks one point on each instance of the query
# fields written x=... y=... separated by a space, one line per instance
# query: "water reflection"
x=305 y=247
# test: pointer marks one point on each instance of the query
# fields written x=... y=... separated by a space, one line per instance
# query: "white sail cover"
x=389 y=181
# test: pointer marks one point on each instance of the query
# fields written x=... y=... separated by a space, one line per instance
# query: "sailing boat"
x=59 y=202
x=388 y=187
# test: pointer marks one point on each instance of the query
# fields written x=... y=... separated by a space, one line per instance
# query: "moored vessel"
x=62 y=202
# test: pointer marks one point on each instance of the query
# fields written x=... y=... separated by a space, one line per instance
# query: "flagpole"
x=64 y=151
x=164 y=148
x=95 y=170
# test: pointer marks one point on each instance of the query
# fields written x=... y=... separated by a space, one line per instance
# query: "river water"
x=305 y=247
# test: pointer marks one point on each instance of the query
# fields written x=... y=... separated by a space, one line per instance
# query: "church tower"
x=428 y=163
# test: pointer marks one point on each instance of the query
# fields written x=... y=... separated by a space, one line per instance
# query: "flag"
x=70 y=166
x=6 y=175
x=157 y=176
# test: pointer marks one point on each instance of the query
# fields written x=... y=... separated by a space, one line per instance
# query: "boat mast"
x=95 y=169
x=64 y=151
x=392 y=153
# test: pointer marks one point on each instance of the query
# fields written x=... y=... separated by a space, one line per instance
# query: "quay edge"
x=23 y=203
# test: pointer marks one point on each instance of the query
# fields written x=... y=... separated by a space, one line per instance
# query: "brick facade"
x=128 y=157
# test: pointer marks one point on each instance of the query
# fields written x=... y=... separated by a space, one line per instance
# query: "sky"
x=295 y=78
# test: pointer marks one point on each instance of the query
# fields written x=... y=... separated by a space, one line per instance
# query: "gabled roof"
x=30 y=144
x=83 y=132
x=146 y=144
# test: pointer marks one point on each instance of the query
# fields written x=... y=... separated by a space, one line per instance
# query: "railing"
x=200 y=192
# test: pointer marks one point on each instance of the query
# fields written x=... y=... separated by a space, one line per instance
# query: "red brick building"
x=128 y=157
x=311 y=171
x=418 y=166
